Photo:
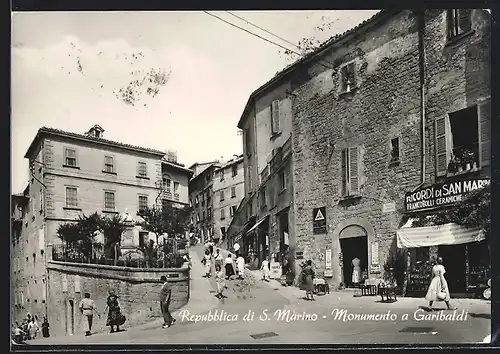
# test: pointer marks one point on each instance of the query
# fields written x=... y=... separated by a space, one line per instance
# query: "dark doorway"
x=353 y=247
x=71 y=317
x=455 y=260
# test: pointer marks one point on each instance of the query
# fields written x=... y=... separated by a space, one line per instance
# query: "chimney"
x=171 y=155
x=95 y=132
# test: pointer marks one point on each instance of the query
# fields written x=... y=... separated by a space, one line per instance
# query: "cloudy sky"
x=68 y=69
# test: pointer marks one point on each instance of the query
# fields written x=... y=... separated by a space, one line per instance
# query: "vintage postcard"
x=259 y=177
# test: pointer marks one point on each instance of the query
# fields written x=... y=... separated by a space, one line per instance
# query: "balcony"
x=264 y=173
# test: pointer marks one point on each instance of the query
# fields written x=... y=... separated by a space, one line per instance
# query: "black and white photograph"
x=229 y=177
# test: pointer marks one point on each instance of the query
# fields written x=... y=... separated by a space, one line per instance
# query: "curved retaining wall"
x=137 y=288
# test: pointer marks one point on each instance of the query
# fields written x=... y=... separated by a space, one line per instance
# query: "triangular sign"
x=319 y=216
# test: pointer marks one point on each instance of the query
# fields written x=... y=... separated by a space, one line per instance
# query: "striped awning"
x=447 y=234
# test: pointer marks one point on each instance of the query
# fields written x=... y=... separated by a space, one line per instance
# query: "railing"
x=146 y=258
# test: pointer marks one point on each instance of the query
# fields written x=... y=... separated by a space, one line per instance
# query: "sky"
x=191 y=75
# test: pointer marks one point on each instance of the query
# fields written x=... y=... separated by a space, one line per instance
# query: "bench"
x=320 y=286
x=387 y=293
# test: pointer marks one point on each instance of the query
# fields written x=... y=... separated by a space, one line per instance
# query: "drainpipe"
x=422 y=65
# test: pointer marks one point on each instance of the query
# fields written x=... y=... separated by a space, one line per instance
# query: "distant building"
x=229 y=190
x=74 y=174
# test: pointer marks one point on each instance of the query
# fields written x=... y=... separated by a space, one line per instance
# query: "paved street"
x=269 y=298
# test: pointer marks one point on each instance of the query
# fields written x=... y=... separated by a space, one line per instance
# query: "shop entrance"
x=353 y=244
x=455 y=263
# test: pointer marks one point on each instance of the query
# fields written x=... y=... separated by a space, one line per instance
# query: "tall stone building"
x=385 y=108
x=229 y=190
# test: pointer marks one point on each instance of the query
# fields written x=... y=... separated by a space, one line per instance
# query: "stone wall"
x=138 y=290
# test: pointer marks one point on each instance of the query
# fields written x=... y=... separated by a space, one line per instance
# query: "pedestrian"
x=219 y=281
x=165 y=296
x=33 y=328
x=87 y=308
x=356 y=272
x=240 y=265
x=207 y=262
x=264 y=267
x=114 y=313
x=24 y=326
x=218 y=258
x=229 y=266
x=211 y=248
x=19 y=334
x=236 y=248
x=45 y=327
x=308 y=280
x=438 y=288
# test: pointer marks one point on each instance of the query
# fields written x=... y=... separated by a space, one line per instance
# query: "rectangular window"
x=222 y=196
x=222 y=214
x=221 y=173
x=204 y=216
x=109 y=165
x=71 y=197
x=235 y=170
x=70 y=157
x=394 y=150
x=262 y=196
x=209 y=212
x=142 y=169
x=233 y=192
x=282 y=180
x=350 y=167
x=143 y=203
x=459 y=21
x=109 y=201
x=233 y=210
x=198 y=217
x=166 y=184
x=143 y=238
x=347 y=77
x=248 y=142
x=196 y=200
x=275 y=117
x=41 y=199
x=223 y=231
x=176 y=187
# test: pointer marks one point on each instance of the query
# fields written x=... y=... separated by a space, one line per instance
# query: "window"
x=204 y=216
x=221 y=196
x=109 y=165
x=142 y=169
x=233 y=210
x=249 y=174
x=235 y=170
x=198 y=217
x=222 y=214
x=262 y=196
x=221 y=173
x=223 y=231
x=282 y=180
x=458 y=22
x=275 y=117
x=71 y=197
x=233 y=192
x=70 y=157
x=196 y=201
x=109 y=201
x=347 y=78
x=350 y=178
x=209 y=212
x=41 y=200
x=394 y=150
x=248 y=142
x=143 y=203
x=143 y=238
x=166 y=183
x=463 y=140
x=176 y=187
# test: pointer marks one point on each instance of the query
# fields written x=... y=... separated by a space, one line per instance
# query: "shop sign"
x=328 y=263
x=319 y=220
x=275 y=268
x=389 y=207
x=442 y=194
x=375 y=269
x=375 y=260
x=299 y=255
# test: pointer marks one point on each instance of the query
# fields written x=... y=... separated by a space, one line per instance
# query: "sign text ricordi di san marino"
x=442 y=194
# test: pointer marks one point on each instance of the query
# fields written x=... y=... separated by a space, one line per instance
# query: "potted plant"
x=453 y=164
x=468 y=159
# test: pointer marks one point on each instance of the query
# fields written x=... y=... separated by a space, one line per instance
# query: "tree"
x=148 y=252
x=69 y=233
x=87 y=227
x=113 y=228
x=176 y=218
x=154 y=221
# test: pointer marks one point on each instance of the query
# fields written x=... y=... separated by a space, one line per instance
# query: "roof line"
x=327 y=44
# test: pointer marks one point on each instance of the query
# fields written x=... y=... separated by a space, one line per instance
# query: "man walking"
x=87 y=308
x=165 y=295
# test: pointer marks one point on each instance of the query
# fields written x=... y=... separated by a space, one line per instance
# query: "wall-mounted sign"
x=275 y=268
x=375 y=269
x=65 y=283
x=328 y=263
x=442 y=194
x=128 y=237
x=77 y=283
x=299 y=255
x=375 y=260
x=389 y=207
x=319 y=220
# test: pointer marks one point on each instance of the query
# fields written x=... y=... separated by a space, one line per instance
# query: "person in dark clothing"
x=165 y=296
x=45 y=327
x=114 y=312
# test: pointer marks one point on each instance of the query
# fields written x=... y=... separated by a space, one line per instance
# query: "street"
x=280 y=315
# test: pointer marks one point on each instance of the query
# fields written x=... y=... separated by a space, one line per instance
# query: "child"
x=265 y=270
x=219 y=280
x=18 y=334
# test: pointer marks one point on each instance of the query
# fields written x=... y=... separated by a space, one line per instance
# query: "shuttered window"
x=459 y=21
x=350 y=171
x=275 y=117
x=484 y=125
x=442 y=145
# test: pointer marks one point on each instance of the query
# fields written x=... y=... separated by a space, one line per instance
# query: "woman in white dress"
x=207 y=260
x=240 y=263
x=356 y=271
x=438 y=289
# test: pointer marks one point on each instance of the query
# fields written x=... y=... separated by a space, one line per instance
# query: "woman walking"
x=114 y=313
x=264 y=268
x=219 y=281
x=438 y=289
x=308 y=279
x=229 y=266
x=240 y=264
x=207 y=262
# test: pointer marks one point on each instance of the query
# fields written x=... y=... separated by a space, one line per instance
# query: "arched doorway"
x=353 y=241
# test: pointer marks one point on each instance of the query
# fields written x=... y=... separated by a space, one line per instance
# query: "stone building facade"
x=364 y=128
x=229 y=190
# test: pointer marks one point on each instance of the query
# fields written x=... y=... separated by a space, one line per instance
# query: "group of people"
x=29 y=329
x=115 y=317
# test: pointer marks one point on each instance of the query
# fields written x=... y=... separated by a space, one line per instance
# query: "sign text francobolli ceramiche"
x=442 y=194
